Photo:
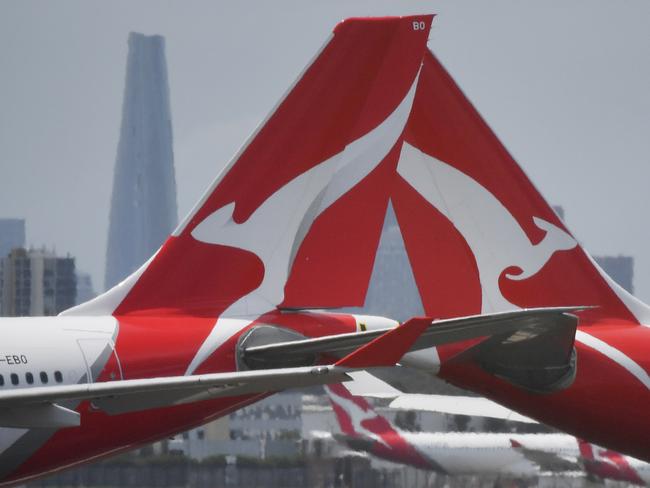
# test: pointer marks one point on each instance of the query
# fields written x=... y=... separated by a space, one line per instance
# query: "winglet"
x=387 y=349
x=515 y=444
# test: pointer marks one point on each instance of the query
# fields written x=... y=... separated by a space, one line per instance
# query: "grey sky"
x=566 y=85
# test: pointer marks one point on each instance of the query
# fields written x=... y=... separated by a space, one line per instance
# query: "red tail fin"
x=586 y=450
x=607 y=464
x=515 y=444
x=479 y=235
x=273 y=217
x=353 y=412
x=359 y=421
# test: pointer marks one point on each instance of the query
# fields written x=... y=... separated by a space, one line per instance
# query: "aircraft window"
x=58 y=377
x=29 y=378
x=14 y=379
x=2 y=380
x=43 y=377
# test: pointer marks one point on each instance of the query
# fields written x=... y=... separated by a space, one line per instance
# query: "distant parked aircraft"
x=461 y=453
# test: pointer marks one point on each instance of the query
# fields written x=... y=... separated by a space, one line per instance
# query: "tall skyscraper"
x=12 y=235
x=143 y=206
x=36 y=282
x=392 y=291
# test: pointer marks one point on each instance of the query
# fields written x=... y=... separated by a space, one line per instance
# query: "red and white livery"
x=451 y=453
x=481 y=239
x=602 y=463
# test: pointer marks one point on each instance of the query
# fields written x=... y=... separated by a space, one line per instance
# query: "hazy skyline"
x=565 y=85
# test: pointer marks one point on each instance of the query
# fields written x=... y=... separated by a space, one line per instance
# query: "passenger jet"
x=509 y=455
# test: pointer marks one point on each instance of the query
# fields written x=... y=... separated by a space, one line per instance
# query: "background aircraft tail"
x=606 y=464
x=479 y=235
x=355 y=416
x=365 y=430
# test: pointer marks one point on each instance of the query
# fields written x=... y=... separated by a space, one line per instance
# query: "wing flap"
x=137 y=401
x=217 y=384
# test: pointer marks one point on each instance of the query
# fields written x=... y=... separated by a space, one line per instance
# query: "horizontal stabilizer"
x=527 y=324
x=539 y=358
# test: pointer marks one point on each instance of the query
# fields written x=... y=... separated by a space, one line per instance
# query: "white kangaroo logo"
x=492 y=233
x=498 y=241
x=277 y=227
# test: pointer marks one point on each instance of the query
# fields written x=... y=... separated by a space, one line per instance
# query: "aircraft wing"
x=517 y=325
x=458 y=405
x=547 y=460
x=40 y=406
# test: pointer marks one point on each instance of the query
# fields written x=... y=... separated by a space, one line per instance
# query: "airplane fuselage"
x=461 y=453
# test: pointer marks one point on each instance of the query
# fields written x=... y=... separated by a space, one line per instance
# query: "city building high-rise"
x=36 y=282
x=85 y=290
x=143 y=206
x=12 y=235
x=619 y=268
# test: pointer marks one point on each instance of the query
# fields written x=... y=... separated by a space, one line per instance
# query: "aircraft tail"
x=354 y=414
x=363 y=429
x=276 y=215
x=479 y=235
x=606 y=464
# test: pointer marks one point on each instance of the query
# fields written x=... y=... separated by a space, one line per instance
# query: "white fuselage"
x=641 y=468
x=459 y=453
x=69 y=345
x=39 y=351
